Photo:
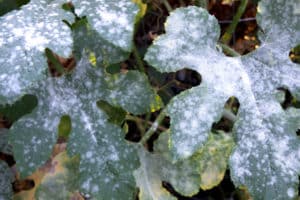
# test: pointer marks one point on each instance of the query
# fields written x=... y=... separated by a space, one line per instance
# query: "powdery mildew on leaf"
x=24 y=35
x=112 y=19
x=204 y=170
x=61 y=181
x=266 y=159
x=6 y=178
x=101 y=145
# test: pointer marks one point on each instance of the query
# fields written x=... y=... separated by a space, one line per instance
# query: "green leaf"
x=132 y=92
x=23 y=106
x=24 y=35
x=104 y=51
x=65 y=126
x=204 y=170
x=266 y=158
x=6 y=179
x=116 y=114
x=112 y=21
x=9 y=5
x=62 y=181
x=101 y=145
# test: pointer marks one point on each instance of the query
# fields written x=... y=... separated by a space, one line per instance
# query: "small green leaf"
x=65 y=126
x=116 y=114
x=23 y=106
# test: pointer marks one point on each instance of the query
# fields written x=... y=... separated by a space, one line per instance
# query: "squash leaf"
x=266 y=158
x=24 y=35
x=204 y=170
x=107 y=160
x=101 y=144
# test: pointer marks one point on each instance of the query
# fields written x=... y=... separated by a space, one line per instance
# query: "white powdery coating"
x=113 y=20
x=267 y=153
x=24 y=35
x=291 y=192
x=101 y=145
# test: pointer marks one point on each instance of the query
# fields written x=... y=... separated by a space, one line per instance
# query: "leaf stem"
x=139 y=120
x=167 y=5
x=229 y=50
x=138 y=58
x=230 y=30
x=154 y=127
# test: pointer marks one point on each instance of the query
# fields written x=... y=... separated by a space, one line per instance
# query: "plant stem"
x=141 y=120
x=154 y=127
x=229 y=50
x=138 y=59
x=167 y=5
x=174 y=81
x=230 y=30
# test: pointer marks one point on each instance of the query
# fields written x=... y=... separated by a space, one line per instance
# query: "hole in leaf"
x=20 y=185
x=229 y=115
x=58 y=65
x=134 y=134
x=298 y=133
x=175 y=83
x=295 y=54
x=21 y=107
x=286 y=99
x=9 y=159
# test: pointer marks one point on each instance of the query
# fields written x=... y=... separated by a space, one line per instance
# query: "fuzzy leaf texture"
x=24 y=35
x=266 y=158
x=107 y=159
x=101 y=145
x=6 y=178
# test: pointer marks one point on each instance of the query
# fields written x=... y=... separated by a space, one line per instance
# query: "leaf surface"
x=112 y=20
x=6 y=179
x=62 y=181
x=24 y=35
x=101 y=144
x=266 y=158
x=203 y=170
x=107 y=160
